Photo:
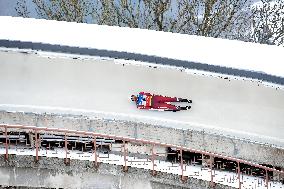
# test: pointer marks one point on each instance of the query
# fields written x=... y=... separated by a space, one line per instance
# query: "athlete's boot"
x=189 y=101
x=185 y=100
x=185 y=108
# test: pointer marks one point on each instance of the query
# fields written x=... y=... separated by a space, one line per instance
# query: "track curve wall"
x=144 y=58
x=49 y=83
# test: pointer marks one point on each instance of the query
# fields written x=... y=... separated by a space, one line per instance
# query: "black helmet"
x=133 y=97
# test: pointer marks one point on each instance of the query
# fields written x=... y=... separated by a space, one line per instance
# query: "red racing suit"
x=151 y=101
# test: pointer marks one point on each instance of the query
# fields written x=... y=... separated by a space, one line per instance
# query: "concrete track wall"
x=52 y=172
x=243 y=149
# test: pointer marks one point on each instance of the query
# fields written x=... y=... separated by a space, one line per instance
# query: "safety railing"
x=5 y=129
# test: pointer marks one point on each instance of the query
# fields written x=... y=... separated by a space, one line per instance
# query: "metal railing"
x=65 y=132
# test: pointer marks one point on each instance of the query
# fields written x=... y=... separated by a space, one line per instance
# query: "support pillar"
x=154 y=173
x=266 y=179
x=125 y=168
x=66 y=160
x=239 y=175
x=212 y=184
x=183 y=178
x=36 y=144
x=95 y=152
x=6 y=143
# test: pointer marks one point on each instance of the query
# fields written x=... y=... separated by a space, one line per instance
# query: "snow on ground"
x=227 y=53
x=195 y=171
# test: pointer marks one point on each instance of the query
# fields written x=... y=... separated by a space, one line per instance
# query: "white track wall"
x=41 y=83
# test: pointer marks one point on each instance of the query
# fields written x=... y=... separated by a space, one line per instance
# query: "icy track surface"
x=59 y=83
x=220 y=52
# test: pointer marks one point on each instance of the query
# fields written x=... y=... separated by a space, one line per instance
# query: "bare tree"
x=148 y=14
x=202 y=17
x=215 y=18
x=268 y=22
x=71 y=10
x=233 y=19
x=22 y=9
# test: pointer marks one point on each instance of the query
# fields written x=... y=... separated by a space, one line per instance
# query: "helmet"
x=133 y=98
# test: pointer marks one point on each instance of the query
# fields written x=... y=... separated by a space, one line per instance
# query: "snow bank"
x=218 y=52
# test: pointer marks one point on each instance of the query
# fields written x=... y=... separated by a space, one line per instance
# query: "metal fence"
x=153 y=156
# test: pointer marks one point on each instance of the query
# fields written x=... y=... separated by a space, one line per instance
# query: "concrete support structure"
x=23 y=171
x=242 y=149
